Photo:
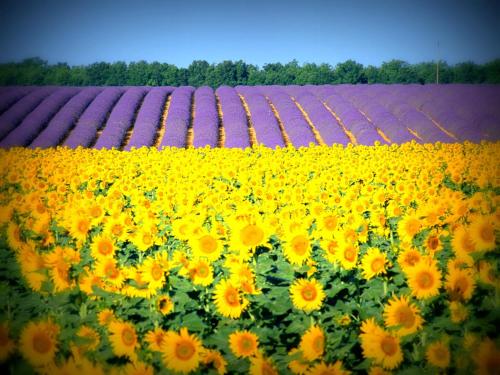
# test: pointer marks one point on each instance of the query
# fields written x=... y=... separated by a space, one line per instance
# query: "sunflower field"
x=311 y=260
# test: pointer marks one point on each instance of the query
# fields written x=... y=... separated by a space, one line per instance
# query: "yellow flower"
x=138 y=368
x=153 y=272
x=409 y=258
x=403 y=315
x=408 y=227
x=206 y=245
x=259 y=365
x=380 y=346
x=38 y=342
x=298 y=365
x=297 y=247
x=181 y=351
x=373 y=263
x=307 y=295
x=347 y=254
x=462 y=242
x=487 y=357
x=215 y=359
x=424 y=280
x=312 y=343
x=458 y=312
x=90 y=336
x=201 y=272
x=165 y=304
x=438 y=354
x=7 y=345
x=243 y=343
x=110 y=272
x=123 y=338
x=80 y=227
x=155 y=339
x=228 y=299
x=102 y=247
x=460 y=284
x=323 y=368
x=482 y=232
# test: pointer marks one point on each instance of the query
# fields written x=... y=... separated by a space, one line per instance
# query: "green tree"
x=349 y=72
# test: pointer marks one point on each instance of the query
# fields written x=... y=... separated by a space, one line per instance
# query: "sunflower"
x=123 y=338
x=14 y=237
x=90 y=338
x=327 y=224
x=373 y=263
x=7 y=345
x=213 y=358
x=102 y=247
x=58 y=270
x=153 y=272
x=206 y=245
x=228 y=299
x=105 y=317
x=409 y=258
x=347 y=255
x=297 y=247
x=243 y=343
x=110 y=272
x=260 y=365
x=458 y=312
x=482 y=232
x=438 y=354
x=312 y=343
x=165 y=304
x=155 y=339
x=460 y=284
x=487 y=357
x=38 y=342
x=330 y=247
x=403 y=315
x=298 y=365
x=138 y=368
x=380 y=346
x=433 y=243
x=143 y=239
x=307 y=295
x=181 y=351
x=462 y=242
x=247 y=233
x=424 y=280
x=487 y=273
x=408 y=227
x=80 y=227
x=201 y=272
x=323 y=368
x=243 y=277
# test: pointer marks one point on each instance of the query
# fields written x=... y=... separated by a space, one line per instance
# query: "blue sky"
x=256 y=31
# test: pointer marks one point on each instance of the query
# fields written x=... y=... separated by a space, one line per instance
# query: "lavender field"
x=127 y=117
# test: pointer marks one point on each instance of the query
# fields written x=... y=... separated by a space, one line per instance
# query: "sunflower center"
x=117 y=229
x=156 y=272
x=232 y=297
x=405 y=317
x=83 y=226
x=300 y=245
x=412 y=227
x=377 y=265
x=251 y=235
x=208 y=244
x=96 y=211
x=184 y=350
x=389 y=346
x=41 y=342
x=202 y=270
x=110 y=271
x=330 y=222
x=267 y=369
x=441 y=353
x=349 y=254
x=412 y=259
x=309 y=293
x=433 y=243
x=425 y=280
x=246 y=344
x=486 y=233
x=318 y=344
x=105 y=247
x=147 y=239
x=332 y=247
x=467 y=243
x=4 y=337
x=128 y=337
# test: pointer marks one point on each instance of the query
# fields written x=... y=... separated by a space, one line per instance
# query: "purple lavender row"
x=264 y=122
x=65 y=119
x=234 y=118
x=178 y=118
x=298 y=130
x=206 y=118
x=328 y=127
x=121 y=118
x=379 y=116
x=15 y=114
x=148 y=118
x=93 y=118
x=364 y=132
x=411 y=117
x=35 y=121
x=10 y=95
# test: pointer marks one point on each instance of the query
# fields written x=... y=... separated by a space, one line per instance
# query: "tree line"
x=35 y=71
